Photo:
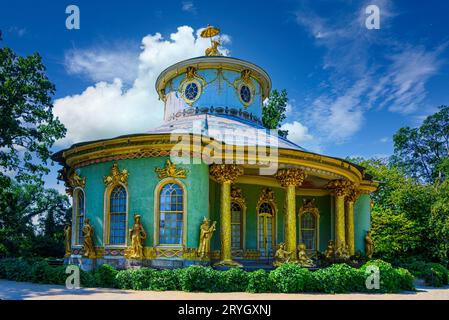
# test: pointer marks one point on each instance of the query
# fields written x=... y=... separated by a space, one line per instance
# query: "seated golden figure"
x=330 y=250
x=342 y=252
x=206 y=232
x=137 y=235
x=88 y=242
x=213 y=50
x=303 y=259
x=281 y=256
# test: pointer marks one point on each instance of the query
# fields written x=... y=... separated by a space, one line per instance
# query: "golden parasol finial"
x=210 y=32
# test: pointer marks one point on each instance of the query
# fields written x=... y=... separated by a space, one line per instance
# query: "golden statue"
x=211 y=32
x=88 y=243
x=206 y=232
x=68 y=239
x=330 y=250
x=281 y=256
x=213 y=50
x=369 y=245
x=137 y=235
x=303 y=259
x=343 y=252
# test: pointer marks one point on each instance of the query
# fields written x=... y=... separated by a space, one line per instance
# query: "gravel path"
x=11 y=290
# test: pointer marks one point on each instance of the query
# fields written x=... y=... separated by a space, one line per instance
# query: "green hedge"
x=434 y=274
x=289 y=278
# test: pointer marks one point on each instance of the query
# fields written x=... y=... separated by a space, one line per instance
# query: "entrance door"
x=265 y=230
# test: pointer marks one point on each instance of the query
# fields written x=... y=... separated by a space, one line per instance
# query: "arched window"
x=79 y=216
x=117 y=216
x=309 y=232
x=236 y=226
x=171 y=214
x=265 y=227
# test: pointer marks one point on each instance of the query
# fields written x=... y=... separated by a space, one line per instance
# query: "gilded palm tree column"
x=340 y=189
x=290 y=179
x=225 y=174
x=350 y=200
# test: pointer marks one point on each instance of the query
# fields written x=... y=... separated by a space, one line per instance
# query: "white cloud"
x=188 y=6
x=297 y=132
x=100 y=64
x=108 y=109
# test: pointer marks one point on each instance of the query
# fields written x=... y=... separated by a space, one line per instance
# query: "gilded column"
x=225 y=174
x=290 y=179
x=350 y=200
x=340 y=189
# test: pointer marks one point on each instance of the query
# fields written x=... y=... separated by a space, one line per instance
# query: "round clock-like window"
x=191 y=91
x=245 y=94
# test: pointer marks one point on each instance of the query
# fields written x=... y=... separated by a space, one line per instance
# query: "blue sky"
x=350 y=88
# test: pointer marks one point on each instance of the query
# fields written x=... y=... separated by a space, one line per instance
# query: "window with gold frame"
x=117 y=216
x=236 y=226
x=171 y=214
x=79 y=215
x=266 y=229
x=309 y=232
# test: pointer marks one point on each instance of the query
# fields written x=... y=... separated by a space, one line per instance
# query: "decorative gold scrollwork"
x=170 y=171
x=116 y=177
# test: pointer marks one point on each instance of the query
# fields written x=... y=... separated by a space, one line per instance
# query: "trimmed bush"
x=197 y=278
x=338 y=278
x=105 y=276
x=406 y=279
x=135 y=279
x=165 y=280
x=259 y=281
x=434 y=274
x=41 y=272
x=289 y=278
x=391 y=280
x=232 y=280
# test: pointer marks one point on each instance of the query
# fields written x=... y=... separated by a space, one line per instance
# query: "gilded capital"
x=290 y=177
x=225 y=172
x=353 y=194
x=340 y=187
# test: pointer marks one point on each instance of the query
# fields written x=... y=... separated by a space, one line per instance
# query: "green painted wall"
x=362 y=221
x=141 y=185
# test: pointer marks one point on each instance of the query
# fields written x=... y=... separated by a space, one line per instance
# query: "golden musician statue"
x=206 y=232
x=303 y=259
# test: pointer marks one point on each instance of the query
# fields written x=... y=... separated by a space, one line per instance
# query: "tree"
x=20 y=205
x=423 y=151
x=28 y=127
x=273 y=112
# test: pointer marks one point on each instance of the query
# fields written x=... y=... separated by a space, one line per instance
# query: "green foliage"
x=439 y=224
x=391 y=279
x=259 y=281
x=105 y=276
x=422 y=151
x=166 y=280
x=394 y=235
x=338 y=278
x=289 y=278
x=198 y=278
x=28 y=127
x=273 y=112
x=135 y=279
x=434 y=274
x=232 y=280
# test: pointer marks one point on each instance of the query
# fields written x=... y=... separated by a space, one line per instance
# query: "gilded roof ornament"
x=211 y=32
x=74 y=181
x=170 y=171
x=116 y=177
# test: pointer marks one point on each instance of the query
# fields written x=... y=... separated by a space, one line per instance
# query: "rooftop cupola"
x=213 y=84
